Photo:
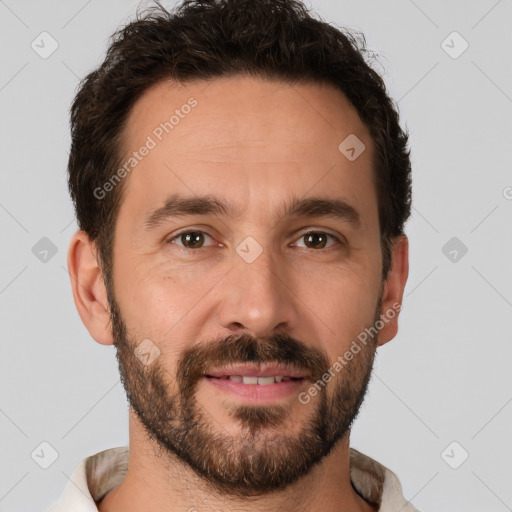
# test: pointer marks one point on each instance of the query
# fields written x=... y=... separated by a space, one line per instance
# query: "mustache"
x=243 y=348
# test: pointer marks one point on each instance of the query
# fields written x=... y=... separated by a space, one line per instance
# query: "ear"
x=89 y=290
x=393 y=289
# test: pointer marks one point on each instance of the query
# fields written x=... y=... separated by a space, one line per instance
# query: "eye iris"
x=196 y=238
x=314 y=238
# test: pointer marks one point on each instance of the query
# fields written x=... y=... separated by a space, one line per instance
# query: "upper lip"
x=258 y=370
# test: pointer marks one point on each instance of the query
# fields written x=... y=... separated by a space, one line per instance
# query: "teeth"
x=262 y=381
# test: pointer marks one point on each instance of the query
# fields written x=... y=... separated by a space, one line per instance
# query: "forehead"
x=245 y=137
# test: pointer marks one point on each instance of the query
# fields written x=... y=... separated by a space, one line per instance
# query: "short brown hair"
x=205 y=39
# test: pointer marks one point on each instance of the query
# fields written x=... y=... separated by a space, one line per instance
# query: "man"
x=241 y=184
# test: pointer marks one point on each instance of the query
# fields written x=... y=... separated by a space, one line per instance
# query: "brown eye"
x=317 y=239
x=191 y=239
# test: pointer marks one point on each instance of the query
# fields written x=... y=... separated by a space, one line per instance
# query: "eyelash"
x=187 y=249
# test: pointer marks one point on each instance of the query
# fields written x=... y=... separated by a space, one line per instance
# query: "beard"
x=261 y=457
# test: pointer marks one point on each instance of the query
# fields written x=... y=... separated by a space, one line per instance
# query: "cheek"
x=157 y=298
x=344 y=305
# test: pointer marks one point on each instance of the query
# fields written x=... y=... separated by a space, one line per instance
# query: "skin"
x=258 y=144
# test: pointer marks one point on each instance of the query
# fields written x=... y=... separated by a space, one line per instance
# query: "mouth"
x=261 y=381
x=255 y=383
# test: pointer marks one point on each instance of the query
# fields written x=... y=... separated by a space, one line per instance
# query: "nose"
x=258 y=297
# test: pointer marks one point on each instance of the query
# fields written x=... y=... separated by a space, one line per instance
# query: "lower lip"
x=256 y=392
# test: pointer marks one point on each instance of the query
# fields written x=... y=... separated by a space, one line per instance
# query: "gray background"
x=446 y=376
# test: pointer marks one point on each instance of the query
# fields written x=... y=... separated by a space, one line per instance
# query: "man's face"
x=256 y=295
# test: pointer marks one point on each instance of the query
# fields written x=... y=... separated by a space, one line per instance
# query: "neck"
x=165 y=484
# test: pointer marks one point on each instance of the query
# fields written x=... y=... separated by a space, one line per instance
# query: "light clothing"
x=96 y=475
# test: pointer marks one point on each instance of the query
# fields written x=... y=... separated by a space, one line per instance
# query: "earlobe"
x=393 y=289
x=88 y=287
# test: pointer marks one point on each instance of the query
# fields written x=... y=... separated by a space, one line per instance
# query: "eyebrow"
x=180 y=206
